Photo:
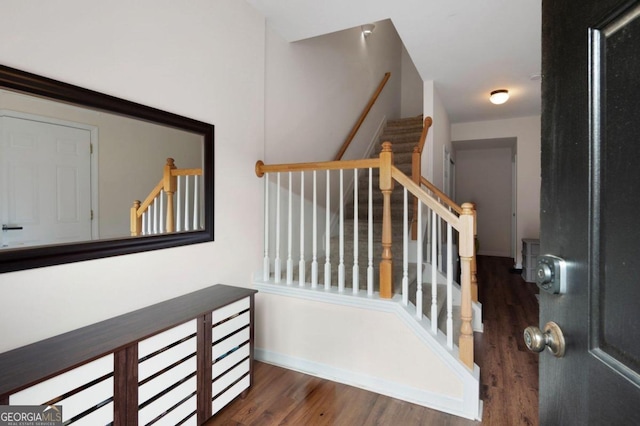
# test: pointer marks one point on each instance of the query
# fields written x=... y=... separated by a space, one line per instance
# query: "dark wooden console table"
x=175 y=362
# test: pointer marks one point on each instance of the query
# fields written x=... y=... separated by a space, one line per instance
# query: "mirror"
x=127 y=146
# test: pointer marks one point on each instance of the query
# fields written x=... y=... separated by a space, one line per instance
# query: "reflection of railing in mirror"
x=172 y=206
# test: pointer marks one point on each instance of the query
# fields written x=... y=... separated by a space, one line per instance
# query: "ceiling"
x=467 y=47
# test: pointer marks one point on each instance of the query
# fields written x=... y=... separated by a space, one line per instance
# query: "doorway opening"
x=485 y=174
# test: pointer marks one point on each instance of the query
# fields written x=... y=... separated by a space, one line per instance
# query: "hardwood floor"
x=508 y=371
x=509 y=375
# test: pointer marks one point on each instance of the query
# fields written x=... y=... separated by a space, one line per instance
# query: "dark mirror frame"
x=39 y=256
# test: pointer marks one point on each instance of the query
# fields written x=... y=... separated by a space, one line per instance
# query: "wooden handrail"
x=445 y=199
x=427 y=199
x=428 y=121
x=186 y=172
x=458 y=209
x=366 y=163
x=363 y=116
x=152 y=195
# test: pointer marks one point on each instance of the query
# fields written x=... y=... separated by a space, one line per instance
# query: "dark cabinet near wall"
x=175 y=362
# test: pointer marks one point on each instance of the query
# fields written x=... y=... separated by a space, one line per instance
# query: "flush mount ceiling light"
x=499 y=96
x=367 y=29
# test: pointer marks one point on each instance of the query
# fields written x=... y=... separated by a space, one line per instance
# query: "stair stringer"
x=294 y=331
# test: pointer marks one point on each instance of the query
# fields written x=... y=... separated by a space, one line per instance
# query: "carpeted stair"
x=404 y=134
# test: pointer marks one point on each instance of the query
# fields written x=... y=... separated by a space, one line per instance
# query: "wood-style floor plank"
x=508 y=374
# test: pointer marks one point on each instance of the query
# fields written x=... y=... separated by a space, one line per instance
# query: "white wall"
x=411 y=95
x=438 y=138
x=483 y=176
x=203 y=59
x=317 y=88
x=527 y=132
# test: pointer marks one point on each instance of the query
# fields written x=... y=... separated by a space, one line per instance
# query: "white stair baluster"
x=277 y=266
x=428 y=238
x=301 y=263
x=405 y=250
x=186 y=201
x=356 y=268
x=179 y=205
x=449 y=287
x=161 y=221
x=155 y=215
x=314 y=261
x=434 y=272
x=419 y=264
x=290 y=233
x=370 y=216
x=144 y=223
x=149 y=225
x=439 y=245
x=265 y=262
x=341 y=264
x=196 y=204
x=327 y=236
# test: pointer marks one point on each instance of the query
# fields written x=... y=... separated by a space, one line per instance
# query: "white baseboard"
x=384 y=387
x=494 y=253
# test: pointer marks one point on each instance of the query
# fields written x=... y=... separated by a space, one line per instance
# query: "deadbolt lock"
x=551 y=274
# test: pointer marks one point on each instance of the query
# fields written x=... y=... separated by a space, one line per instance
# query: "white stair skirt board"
x=463 y=402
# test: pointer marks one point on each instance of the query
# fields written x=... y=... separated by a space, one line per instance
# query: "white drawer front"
x=85 y=399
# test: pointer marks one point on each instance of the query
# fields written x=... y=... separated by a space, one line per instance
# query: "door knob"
x=551 y=338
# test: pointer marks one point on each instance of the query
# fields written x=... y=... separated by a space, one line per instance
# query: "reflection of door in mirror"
x=129 y=157
x=45 y=183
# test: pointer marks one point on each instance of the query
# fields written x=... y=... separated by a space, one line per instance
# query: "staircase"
x=382 y=316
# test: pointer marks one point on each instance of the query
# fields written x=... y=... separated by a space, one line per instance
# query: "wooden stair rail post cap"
x=259 y=165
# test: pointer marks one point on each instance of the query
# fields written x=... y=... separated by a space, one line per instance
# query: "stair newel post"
x=170 y=184
x=466 y=256
x=416 y=173
x=386 y=186
x=474 y=264
x=136 y=220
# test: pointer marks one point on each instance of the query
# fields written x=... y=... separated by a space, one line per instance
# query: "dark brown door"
x=590 y=210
